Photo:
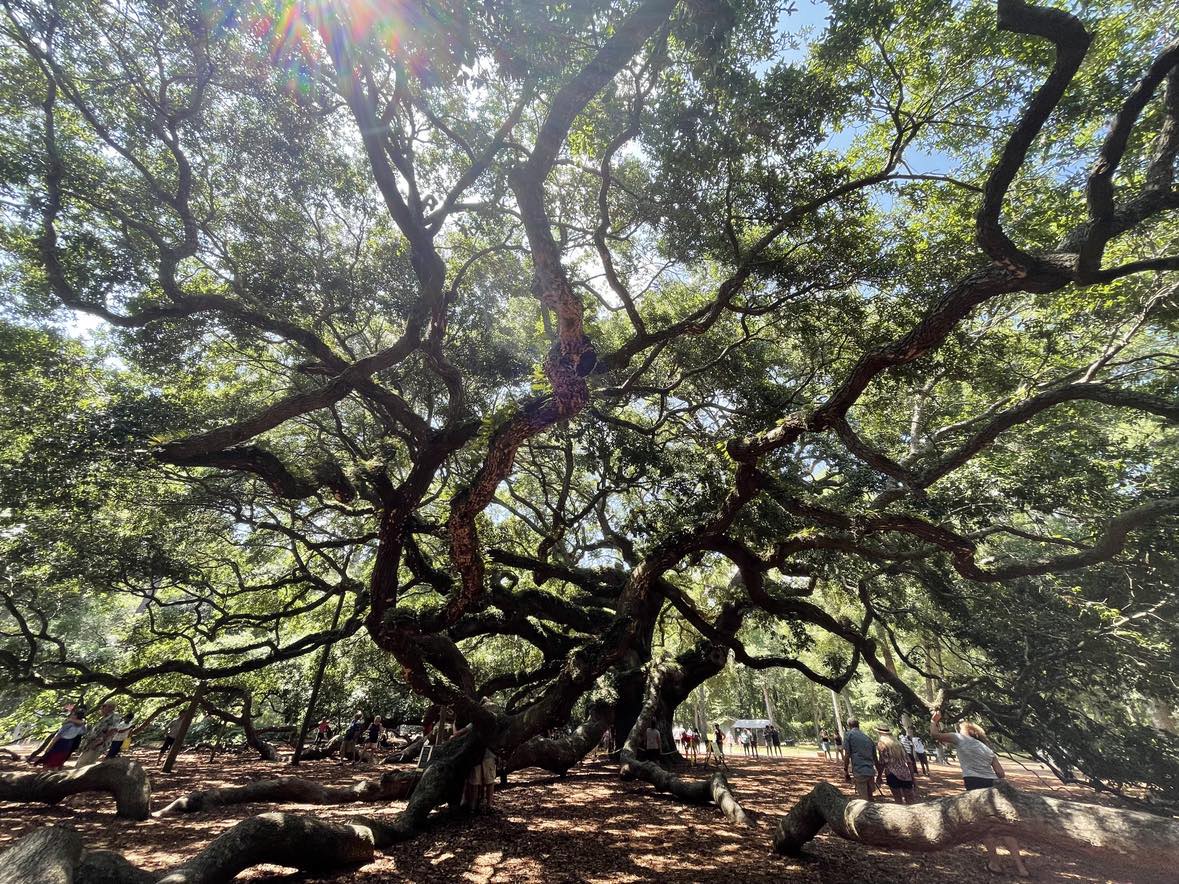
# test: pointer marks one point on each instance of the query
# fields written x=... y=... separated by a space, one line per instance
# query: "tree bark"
x=327 y=750
x=185 y=722
x=838 y=717
x=1141 y=838
x=324 y=655
x=46 y=856
x=392 y=786
x=710 y=790
x=559 y=755
x=409 y=752
x=123 y=778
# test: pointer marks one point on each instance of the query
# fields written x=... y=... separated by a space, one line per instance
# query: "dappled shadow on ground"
x=589 y=826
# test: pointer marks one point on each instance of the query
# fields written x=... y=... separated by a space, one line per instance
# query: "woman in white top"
x=980 y=770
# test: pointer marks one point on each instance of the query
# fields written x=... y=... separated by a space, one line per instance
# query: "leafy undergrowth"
x=588 y=826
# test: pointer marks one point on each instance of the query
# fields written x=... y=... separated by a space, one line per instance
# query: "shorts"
x=897 y=783
x=863 y=786
x=973 y=783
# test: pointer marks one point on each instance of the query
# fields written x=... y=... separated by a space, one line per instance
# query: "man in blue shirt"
x=860 y=756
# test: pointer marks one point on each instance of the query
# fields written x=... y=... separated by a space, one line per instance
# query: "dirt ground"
x=588 y=826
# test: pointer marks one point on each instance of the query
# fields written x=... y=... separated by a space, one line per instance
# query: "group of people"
x=105 y=738
x=750 y=742
x=362 y=737
x=894 y=762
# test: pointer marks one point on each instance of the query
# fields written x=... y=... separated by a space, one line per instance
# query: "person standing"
x=839 y=747
x=373 y=735
x=753 y=743
x=825 y=744
x=906 y=742
x=744 y=740
x=66 y=738
x=171 y=732
x=322 y=730
x=860 y=757
x=896 y=770
x=919 y=752
x=653 y=742
x=121 y=738
x=97 y=741
x=980 y=770
x=351 y=736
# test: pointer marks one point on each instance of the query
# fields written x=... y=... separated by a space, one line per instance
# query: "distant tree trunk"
x=245 y=720
x=815 y=710
x=185 y=722
x=327 y=750
x=320 y=669
x=409 y=752
x=1144 y=839
x=835 y=707
x=765 y=694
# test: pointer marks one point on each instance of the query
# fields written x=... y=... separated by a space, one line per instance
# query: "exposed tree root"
x=392 y=786
x=1144 y=839
x=308 y=844
x=302 y=842
x=123 y=778
x=709 y=790
x=712 y=790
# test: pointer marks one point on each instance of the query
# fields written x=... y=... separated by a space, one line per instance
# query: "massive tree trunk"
x=666 y=682
x=559 y=755
x=123 y=778
x=391 y=786
x=1141 y=838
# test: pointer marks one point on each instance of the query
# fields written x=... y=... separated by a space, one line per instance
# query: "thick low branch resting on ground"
x=711 y=790
x=126 y=780
x=391 y=786
x=302 y=842
x=326 y=750
x=1141 y=838
x=311 y=845
x=714 y=790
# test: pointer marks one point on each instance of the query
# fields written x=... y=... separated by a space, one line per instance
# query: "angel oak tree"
x=569 y=351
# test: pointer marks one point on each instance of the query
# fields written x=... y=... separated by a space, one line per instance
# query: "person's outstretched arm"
x=935 y=729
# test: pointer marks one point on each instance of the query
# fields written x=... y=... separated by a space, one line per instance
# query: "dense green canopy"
x=509 y=347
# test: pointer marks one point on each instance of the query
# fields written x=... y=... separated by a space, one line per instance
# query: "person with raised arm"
x=980 y=770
